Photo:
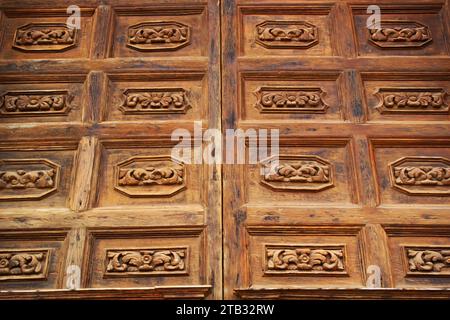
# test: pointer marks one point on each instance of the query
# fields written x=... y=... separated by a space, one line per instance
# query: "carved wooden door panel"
x=360 y=196
x=94 y=204
x=90 y=194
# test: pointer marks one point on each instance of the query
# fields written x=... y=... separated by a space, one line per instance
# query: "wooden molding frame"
x=163 y=292
x=340 y=293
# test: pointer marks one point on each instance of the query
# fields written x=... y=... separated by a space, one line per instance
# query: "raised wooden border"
x=167 y=292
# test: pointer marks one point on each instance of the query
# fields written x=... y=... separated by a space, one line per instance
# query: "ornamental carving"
x=428 y=260
x=158 y=36
x=34 y=103
x=290 y=100
x=412 y=100
x=150 y=176
x=286 y=34
x=400 y=34
x=146 y=261
x=301 y=259
x=421 y=175
x=155 y=101
x=302 y=173
x=27 y=178
x=23 y=264
x=45 y=37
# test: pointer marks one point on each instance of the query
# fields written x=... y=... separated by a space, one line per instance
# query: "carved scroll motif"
x=34 y=103
x=307 y=173
x=428 y=260
x=150 y=176
x=299 y=172
x=146 y=261
x=158 y=36
x=421 y=175
x=21 y=179
x=400 y=34
x=45 y=37
x=24 y=264
x=304 y=259
x=286 y=34
x=155 y=101
x=290 y=100
x=412 y=100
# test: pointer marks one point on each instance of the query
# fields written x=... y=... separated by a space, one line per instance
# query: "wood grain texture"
x=375 y=253
x=84 y=174
x=350 y=293
x=334 y=90
x=103 y=21
x=74 y=258
x=147 y=293
x=288 y=219
x=96 y=69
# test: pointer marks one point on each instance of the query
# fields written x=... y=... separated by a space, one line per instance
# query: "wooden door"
x=94 y=204
x=89 y=187
x=360 y=197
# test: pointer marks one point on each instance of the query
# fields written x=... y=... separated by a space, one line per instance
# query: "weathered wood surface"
x=372 y=114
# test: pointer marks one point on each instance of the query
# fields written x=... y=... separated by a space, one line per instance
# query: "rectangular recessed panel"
x=419 y=258
x=291 y=97
x=156 y=98
x=267 y=31
x=147 y=176
x=408 y=175
x=35 y=179
x=406 y=98
x=34 y=35
x=32 y=259
x=280 y=258
x=401 y=31
x=304 y=175
x=40 y=100
x=164 y=32
x=145 y=257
